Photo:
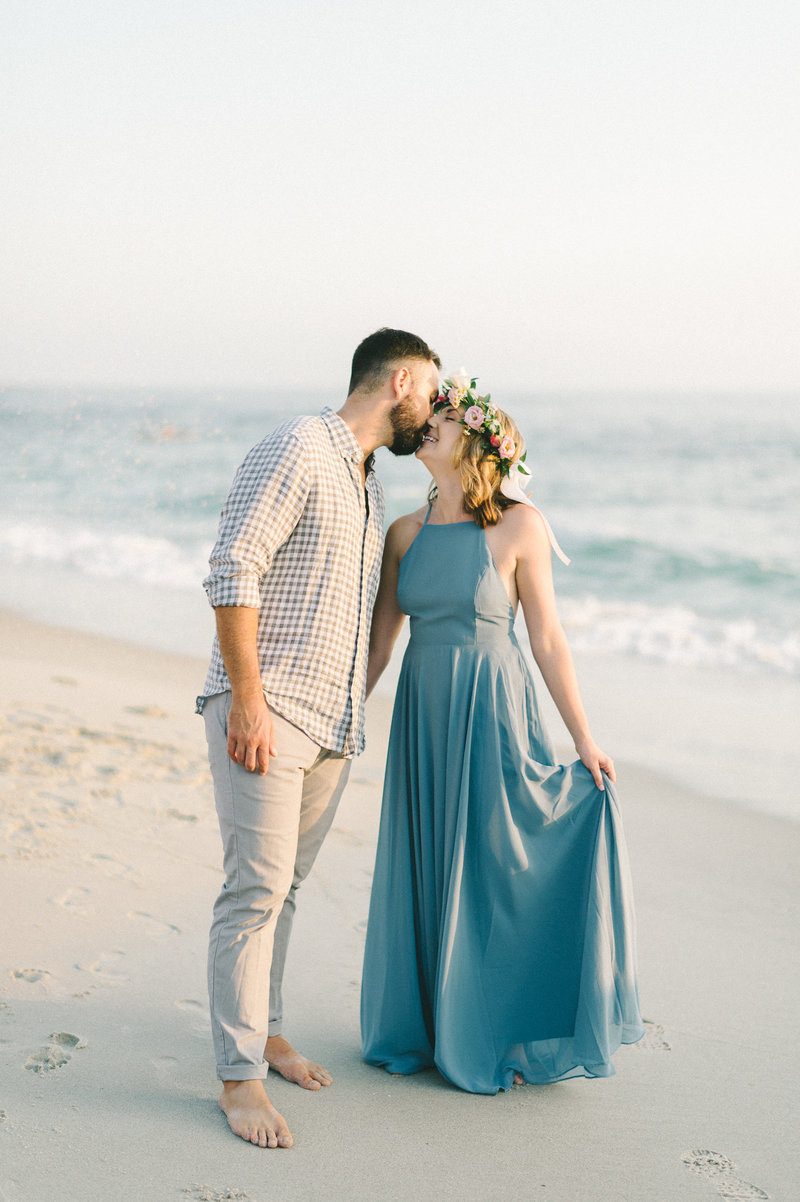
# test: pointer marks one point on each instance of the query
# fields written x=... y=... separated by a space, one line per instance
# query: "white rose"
x=460 y=379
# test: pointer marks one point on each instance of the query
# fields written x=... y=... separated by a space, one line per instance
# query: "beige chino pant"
x=272 y=827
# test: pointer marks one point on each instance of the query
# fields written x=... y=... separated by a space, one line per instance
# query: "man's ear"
x=400 y=380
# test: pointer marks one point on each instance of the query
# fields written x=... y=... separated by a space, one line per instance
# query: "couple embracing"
x=500 y=943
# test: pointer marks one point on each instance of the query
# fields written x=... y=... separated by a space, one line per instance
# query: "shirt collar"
x=344 y=439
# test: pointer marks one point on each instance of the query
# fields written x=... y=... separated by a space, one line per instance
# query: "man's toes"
x=283 y=1136
x=314 y=1076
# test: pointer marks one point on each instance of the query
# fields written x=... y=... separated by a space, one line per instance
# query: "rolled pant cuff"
x=275 y=1026
x=243 y=1072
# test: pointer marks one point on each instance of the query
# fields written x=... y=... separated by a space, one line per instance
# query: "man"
x=293 y=580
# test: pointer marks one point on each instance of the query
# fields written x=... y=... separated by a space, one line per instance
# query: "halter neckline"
x=471 y=522
x=434 y=525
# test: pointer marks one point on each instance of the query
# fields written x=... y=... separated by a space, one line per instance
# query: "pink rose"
x=507 y=447
x=474 y=417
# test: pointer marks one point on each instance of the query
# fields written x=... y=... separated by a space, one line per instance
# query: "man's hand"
x=250 y=736
x=251 y=741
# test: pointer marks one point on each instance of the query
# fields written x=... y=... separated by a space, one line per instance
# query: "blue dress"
x=501 y=927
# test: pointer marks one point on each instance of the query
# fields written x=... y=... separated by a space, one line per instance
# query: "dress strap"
x=427 y=514
x=553 y=540
x=511 y=487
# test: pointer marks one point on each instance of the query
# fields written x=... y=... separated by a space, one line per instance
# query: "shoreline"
x=107 y=830
x=727 y=735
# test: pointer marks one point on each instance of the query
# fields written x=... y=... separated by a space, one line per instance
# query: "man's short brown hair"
x=378 y=354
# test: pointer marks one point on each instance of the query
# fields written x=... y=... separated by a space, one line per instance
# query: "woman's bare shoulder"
x=404 y=530
x=524 y=526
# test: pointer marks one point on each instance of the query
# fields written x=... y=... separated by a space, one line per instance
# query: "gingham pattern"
x=299 y=542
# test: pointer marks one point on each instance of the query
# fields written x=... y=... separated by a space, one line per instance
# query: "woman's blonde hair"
x=481 y=474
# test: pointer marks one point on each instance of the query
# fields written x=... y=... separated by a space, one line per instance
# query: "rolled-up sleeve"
x=265 y=503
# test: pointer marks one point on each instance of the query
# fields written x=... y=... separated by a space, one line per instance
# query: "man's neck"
x=367 y=418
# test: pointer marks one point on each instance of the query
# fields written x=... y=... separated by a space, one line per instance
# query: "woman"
x=500 y=944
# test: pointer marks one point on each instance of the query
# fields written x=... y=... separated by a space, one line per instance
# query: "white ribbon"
x=511 y=487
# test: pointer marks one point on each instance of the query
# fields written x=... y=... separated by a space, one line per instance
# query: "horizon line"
x=711 y=389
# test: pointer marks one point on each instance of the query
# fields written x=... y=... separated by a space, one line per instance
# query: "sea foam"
x=670 y=633
x=676 y=634
x=110 y=555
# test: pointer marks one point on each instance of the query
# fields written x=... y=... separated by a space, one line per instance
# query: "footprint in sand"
x=74 y=899
x=155 y=928
x=723 y=1172
x=146 y=711
x=110 y=866
x=205 y=1193
x=107 y=968
x=56 y=1053
x=32 y=975
x=198 y=1013
x=653 y=1039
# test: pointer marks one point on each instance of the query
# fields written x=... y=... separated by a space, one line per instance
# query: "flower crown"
x=480 y=417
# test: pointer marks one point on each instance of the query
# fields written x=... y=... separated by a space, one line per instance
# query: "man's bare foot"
x=252 y=1116
x=519 y=1079
x=281 y=1056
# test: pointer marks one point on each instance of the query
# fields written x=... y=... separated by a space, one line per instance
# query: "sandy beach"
x=110 y=862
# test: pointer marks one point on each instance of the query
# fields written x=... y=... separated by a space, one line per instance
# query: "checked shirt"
x=300 y=539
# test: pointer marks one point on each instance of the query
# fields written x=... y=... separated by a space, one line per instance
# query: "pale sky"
x=555 y=193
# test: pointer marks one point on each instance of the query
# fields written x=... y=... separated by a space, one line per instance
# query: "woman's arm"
x=534 y=579
x=387 y=616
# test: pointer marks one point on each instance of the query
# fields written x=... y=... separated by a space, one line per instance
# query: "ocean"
x=681 y=515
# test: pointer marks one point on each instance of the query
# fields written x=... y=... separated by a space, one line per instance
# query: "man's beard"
x=407 y=434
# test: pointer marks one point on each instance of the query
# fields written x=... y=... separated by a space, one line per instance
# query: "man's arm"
x=263 y=507
x=250 y=734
